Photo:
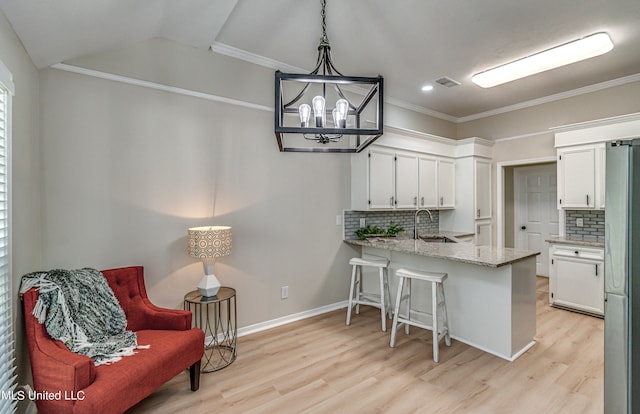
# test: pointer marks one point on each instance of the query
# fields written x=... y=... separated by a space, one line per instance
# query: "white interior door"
x=535 y=211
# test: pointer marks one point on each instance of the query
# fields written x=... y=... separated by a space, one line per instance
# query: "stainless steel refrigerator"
x=622 y=278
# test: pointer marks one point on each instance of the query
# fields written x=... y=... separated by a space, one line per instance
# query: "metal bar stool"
x=438 y=307
x=357 y=297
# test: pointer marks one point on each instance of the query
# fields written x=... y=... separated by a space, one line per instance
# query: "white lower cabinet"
x=577 y=278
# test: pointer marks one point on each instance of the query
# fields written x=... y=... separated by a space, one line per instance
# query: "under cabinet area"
x=576 y=278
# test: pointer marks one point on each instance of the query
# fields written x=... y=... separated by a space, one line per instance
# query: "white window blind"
x=7 y=366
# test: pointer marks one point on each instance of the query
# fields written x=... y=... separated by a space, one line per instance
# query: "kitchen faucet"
x=415 y=222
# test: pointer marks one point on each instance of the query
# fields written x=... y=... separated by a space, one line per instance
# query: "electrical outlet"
x=284 y=292
x=363 y=222
x=580 y=222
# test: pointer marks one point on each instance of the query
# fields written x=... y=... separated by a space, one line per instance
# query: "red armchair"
x=71 y=383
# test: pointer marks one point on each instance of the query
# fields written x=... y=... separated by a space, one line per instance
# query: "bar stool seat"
x=378 y=300
x=439 y=322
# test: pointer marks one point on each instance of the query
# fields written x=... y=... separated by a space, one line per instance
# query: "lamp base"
x=209 y=285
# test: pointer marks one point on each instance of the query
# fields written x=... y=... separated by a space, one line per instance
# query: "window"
x=7 y=368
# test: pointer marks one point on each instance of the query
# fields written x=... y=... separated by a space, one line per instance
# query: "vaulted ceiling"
x=410 y=42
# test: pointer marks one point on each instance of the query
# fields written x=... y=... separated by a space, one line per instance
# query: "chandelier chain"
x=323 y=13
x=324 y=40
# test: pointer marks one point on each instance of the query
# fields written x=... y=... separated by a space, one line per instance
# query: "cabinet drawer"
x=578 y=252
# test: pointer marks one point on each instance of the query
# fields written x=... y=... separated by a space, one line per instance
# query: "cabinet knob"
x=523 y=228
x=577 y=252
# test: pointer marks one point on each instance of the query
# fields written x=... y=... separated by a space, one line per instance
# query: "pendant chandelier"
x=325 y=111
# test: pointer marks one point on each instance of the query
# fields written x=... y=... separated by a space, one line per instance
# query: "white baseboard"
x=263 y=326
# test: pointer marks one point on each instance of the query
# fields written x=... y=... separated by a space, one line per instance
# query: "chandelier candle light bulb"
x=342 y=110
x=305 y=113
x=208 y=243
x=318 y=110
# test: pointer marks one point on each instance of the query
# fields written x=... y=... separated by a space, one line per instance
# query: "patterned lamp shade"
x=209 y=242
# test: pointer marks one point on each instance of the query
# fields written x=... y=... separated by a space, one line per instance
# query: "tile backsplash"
x=403 y=218
x=592 y=228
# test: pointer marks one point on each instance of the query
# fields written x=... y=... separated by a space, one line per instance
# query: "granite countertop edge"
x=465 y=252
x=575 y=241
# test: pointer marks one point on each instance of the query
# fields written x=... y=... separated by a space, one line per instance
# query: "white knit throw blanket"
x=79 y=308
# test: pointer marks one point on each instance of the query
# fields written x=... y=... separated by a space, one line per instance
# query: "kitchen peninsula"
x=490 y=291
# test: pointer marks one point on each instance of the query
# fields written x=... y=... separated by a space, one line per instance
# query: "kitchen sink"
x=437 y=240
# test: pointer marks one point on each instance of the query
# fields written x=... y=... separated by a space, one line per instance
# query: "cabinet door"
x=483 y=233
x=428 y=182
x=601 y=169
x=446 y=183
x=482 y=188
x=406 y=181
x=381 y=179
x=579 y=284
x=578 y=178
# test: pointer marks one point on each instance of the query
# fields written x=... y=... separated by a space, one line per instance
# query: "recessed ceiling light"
x=581 y=49
x=427 y=88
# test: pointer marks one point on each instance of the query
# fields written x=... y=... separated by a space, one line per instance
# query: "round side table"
x=216 y=316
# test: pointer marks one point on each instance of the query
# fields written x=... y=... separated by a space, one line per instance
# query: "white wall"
x=25 y=175
x=128 y=169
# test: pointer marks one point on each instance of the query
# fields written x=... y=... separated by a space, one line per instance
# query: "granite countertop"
x=576 y=241
x=462 y=252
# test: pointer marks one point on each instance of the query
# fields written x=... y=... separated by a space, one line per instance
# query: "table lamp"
x=208 y=243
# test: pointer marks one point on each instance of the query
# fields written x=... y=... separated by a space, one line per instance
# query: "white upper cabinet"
x=446 y=183
x=407 y=170
x=482 y=188
x=381 y=183
x=406 y=181
x=437 y=178
x=382 y=178
x=581 y=177
x=428 y=182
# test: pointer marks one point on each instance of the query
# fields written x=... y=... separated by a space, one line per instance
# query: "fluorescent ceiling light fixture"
x=581 y=49
x=427 y=88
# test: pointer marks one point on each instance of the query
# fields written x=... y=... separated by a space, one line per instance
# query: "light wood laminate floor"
x=319 y=365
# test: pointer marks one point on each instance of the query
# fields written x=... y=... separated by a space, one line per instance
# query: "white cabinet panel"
x=483 y=233
x=581 y=175
x=482 y=187
x=406 y=181
x=386 y=178
x=428 y=191
x=447 y=183
x=381 y=179
x=577 y=278
x=578 y=178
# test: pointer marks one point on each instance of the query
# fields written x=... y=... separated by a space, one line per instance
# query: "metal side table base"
x=216 y=316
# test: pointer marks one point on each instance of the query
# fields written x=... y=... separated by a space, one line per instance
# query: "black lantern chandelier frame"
x=348 y=132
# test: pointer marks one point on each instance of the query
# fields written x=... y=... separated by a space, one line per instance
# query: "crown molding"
x=552 y=98
x=276 y=65
x=157 y=86
x=240 y=54
x=597 y=122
